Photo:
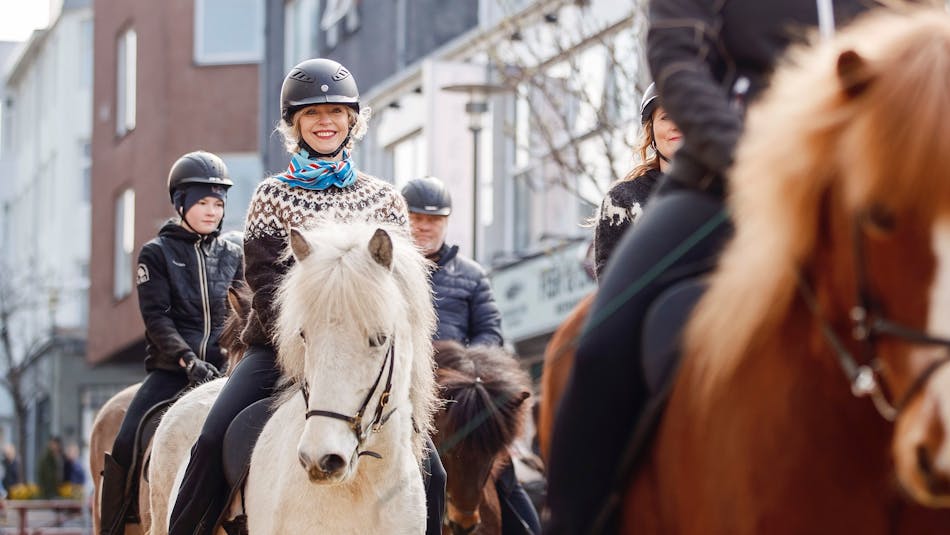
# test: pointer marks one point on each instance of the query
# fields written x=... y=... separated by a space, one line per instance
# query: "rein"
x=867 y=324
x=380 y=416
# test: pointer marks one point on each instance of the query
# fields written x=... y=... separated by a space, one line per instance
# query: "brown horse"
x=109 y=418
x=484 y=391
x=838 y=273
x=558 y=362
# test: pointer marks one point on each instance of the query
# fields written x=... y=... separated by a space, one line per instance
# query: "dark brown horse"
x=835 y=289
x=484 y=391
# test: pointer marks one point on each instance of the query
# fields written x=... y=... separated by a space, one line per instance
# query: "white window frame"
x=125 y=76
x=124 y=244
x=203 y=57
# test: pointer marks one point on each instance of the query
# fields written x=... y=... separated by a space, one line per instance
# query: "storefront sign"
x=536 y=294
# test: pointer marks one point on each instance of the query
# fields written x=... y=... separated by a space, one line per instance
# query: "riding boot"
x=113 y=503
x=433 y=477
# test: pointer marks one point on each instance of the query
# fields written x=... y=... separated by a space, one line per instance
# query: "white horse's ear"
x=854 y=73
x=299 y=244
x=381 y=248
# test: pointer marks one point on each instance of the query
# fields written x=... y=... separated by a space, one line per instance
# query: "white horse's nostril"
x=331 y=464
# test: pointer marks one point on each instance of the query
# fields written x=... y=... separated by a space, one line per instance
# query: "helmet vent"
x=301 y=76
x=341 y=73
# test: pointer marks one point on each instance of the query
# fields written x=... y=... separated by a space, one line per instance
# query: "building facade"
x=45 y=226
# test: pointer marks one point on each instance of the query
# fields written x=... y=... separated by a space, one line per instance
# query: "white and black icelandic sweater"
x=620 y=209
x=276 y=207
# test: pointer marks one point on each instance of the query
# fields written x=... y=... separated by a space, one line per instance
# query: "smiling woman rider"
x=320 y=119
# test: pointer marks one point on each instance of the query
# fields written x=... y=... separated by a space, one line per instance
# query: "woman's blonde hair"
x=645 y=153
x=359 y=124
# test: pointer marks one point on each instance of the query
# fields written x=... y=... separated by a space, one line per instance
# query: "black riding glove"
x=200 y=371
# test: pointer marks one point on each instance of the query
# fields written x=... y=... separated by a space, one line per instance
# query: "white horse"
x=342 y=452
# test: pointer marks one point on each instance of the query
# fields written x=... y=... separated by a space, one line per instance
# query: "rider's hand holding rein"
x=198 y=370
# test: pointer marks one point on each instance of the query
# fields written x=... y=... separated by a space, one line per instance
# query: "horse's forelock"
x=484 y=389
x=338 y=285
x=806 y=136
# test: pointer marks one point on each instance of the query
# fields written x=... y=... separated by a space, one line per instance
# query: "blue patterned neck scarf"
x=318 y=174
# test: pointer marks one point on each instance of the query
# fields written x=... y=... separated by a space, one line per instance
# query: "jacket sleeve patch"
x=141 y=274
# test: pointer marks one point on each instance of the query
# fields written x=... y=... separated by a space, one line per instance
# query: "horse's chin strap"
x=380 y=415
x=866 y=379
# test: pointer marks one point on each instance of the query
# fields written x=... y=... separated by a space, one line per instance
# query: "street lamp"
x=475 y=108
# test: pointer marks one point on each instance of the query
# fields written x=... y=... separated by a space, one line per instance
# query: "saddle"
x=143 y=437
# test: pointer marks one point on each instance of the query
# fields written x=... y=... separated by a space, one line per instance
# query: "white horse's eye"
x=303 y=336
x=377 y=340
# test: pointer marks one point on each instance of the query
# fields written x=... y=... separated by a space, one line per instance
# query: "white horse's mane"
x=340 y=285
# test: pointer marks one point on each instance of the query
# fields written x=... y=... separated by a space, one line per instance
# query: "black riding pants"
x=201 y=497
x=681 y=232
x=518 y=516
x=158 y=386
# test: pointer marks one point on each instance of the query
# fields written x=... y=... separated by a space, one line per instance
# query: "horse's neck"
x=791 y=387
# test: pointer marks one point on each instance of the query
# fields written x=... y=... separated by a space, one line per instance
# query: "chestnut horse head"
x=484 y=391
x=829 y=313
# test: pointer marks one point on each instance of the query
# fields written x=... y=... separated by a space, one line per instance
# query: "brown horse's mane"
x=484 y=390
x=870 y=134
x=239 y=304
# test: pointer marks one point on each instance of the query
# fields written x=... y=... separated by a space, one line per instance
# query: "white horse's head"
x=354 y=325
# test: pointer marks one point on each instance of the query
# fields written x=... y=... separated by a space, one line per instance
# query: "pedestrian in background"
x=49 y=471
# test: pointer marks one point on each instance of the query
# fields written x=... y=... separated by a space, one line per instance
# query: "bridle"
x=380 y=416
x=868 y=323
x=457 y=528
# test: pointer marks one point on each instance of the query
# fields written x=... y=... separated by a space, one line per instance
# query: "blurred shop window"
x=229 y=31
x=125 y=82
x=124 y=243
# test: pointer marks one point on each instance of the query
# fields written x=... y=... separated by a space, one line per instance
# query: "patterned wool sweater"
x=620 y=209
x=276 y=207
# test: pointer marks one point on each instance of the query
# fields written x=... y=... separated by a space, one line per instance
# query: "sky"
x=18 y=18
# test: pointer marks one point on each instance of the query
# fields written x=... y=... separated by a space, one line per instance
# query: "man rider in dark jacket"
x=467 y=313
x=463 y=300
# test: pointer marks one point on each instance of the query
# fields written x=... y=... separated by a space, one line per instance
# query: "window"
x=299 y=31
x=229 y=31
x=85 y=52
x=125 y=82
x=124 y=242
x=6 y=126
x=409 y=158
x=85 y=162
x=335 y=11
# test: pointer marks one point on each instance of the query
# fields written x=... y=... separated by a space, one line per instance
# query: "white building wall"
x=46 y=213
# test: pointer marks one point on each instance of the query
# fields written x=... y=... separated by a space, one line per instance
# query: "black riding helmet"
x=648 y=103
x=427 y=195
x=197 y=167
x=317 y=81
